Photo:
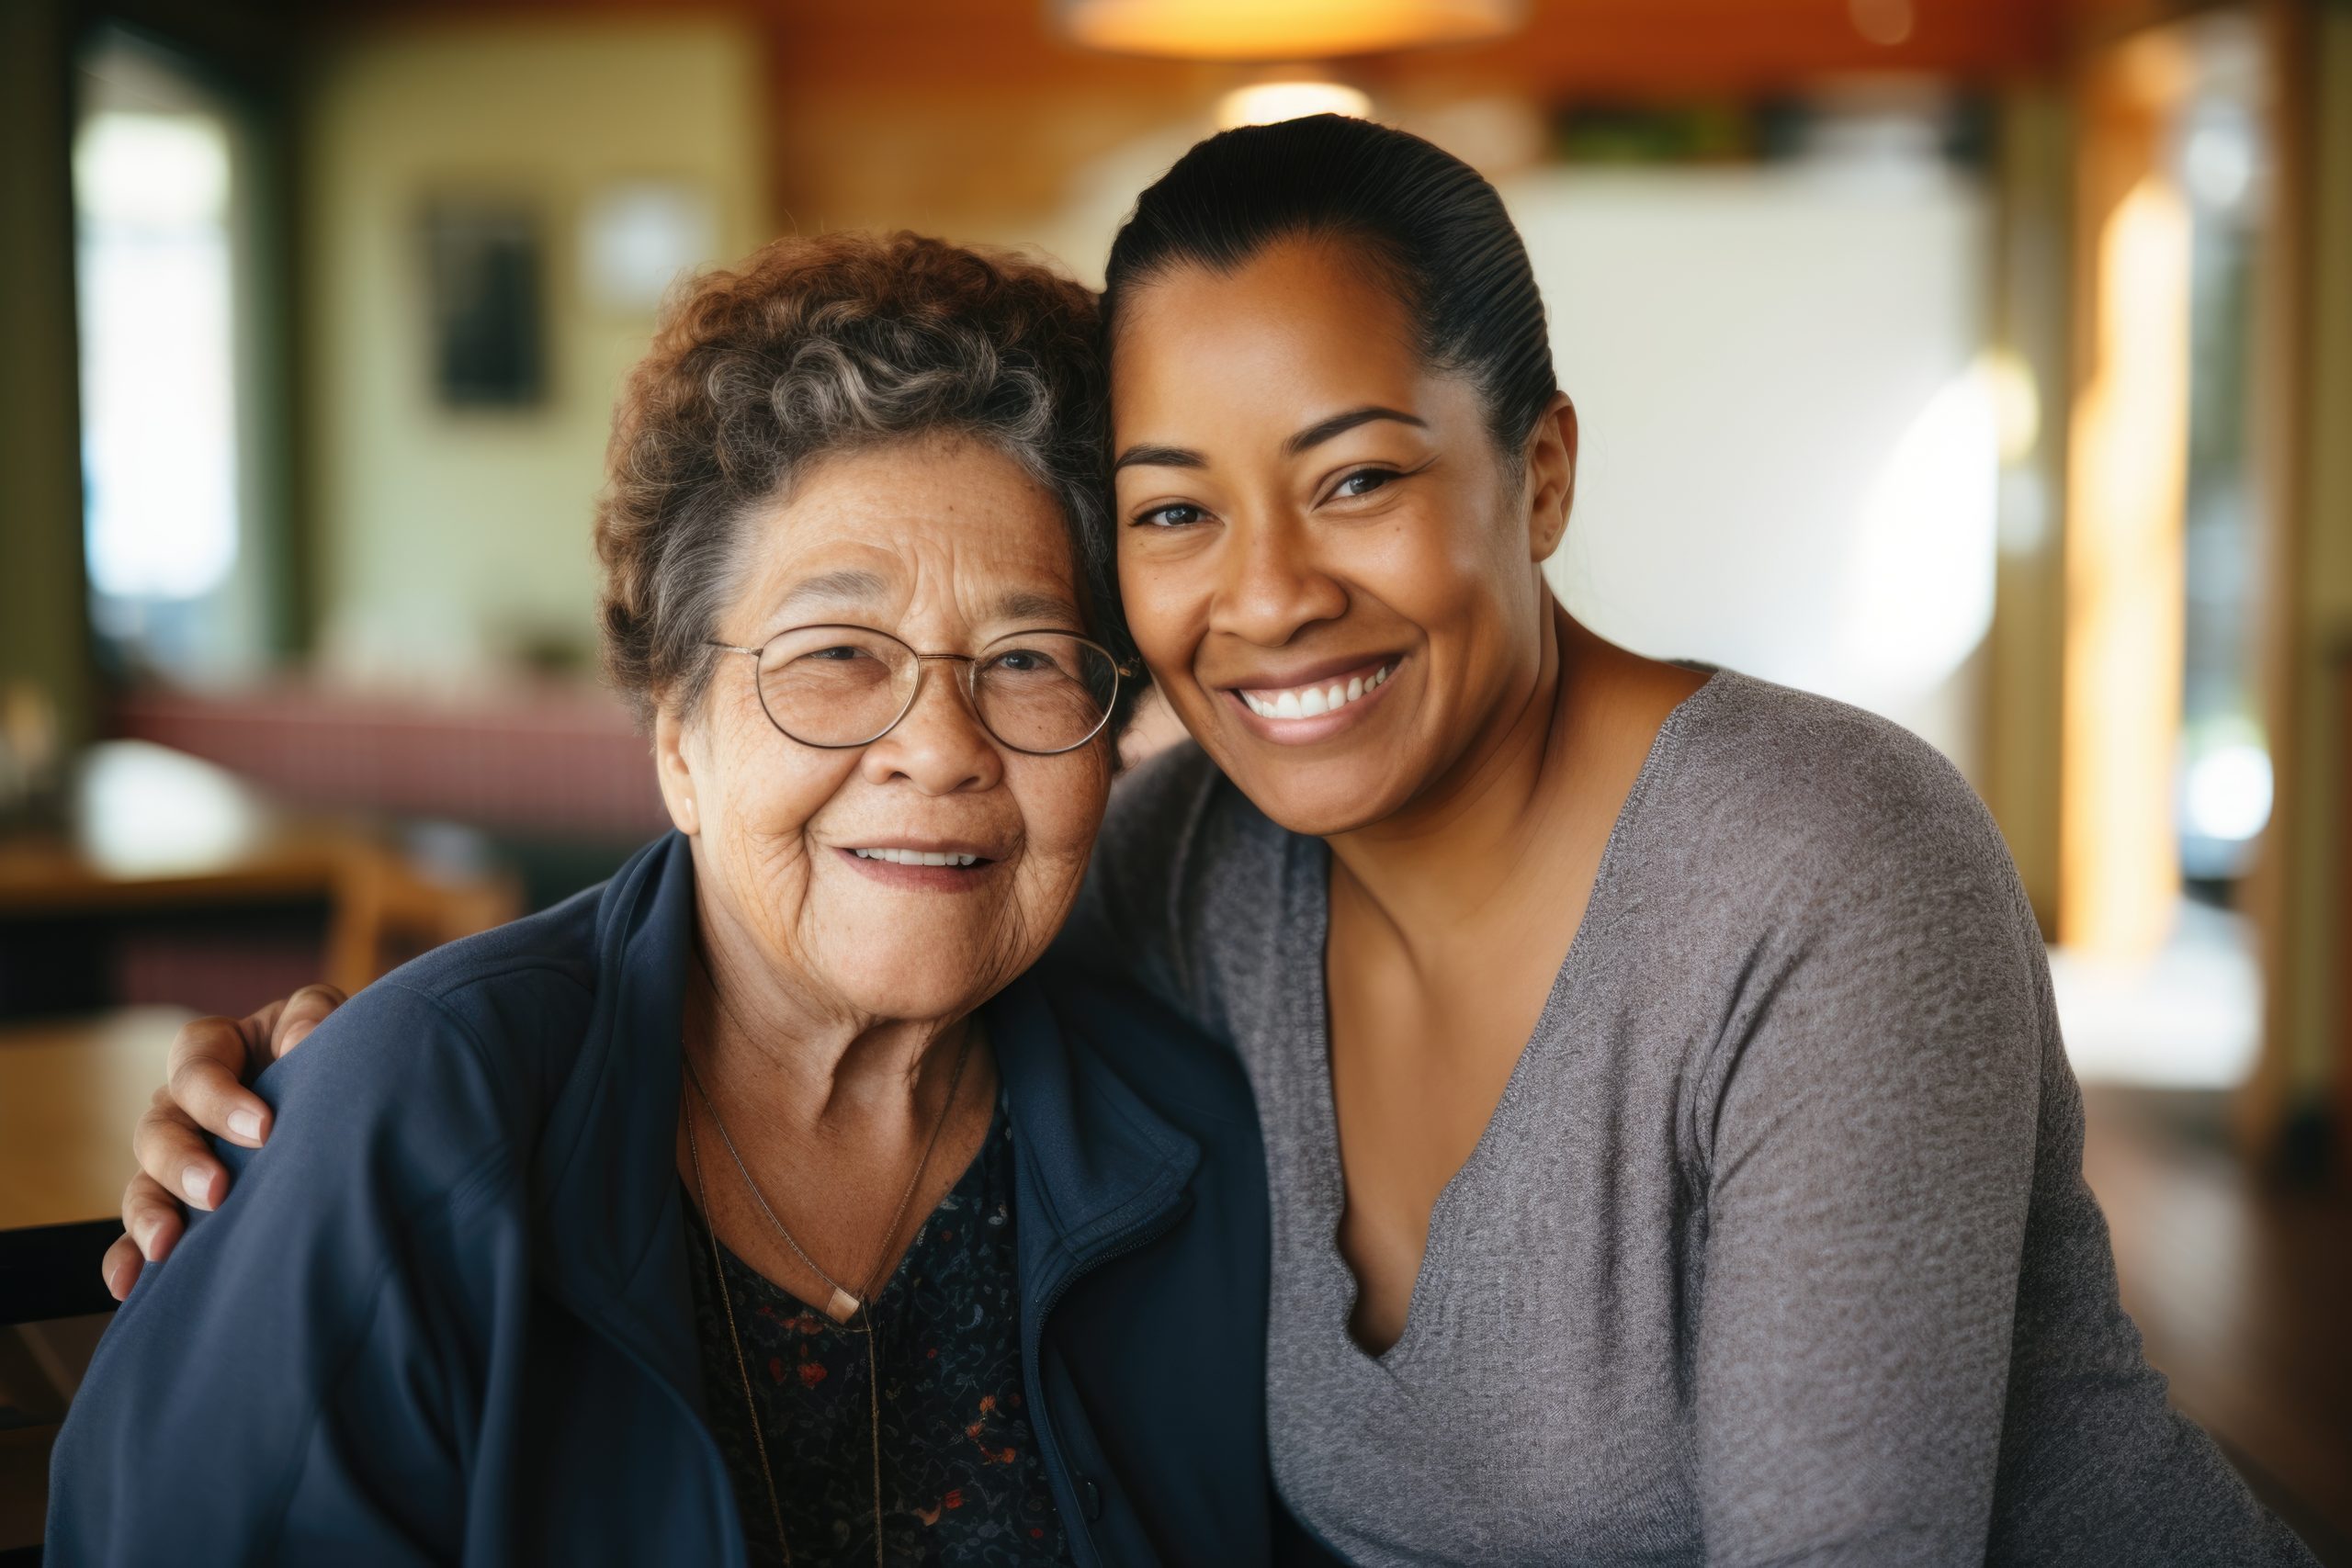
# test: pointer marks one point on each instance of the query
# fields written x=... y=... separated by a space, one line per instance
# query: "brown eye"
x=1178 y=516
x=1364 y=482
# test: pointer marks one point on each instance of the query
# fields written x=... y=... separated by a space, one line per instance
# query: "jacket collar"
x=1095 y=1165
x=606 y=1168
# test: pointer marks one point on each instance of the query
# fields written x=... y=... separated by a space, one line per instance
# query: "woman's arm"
x=1869 y=1142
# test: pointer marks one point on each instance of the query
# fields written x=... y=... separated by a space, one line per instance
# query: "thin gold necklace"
x=845 y=1304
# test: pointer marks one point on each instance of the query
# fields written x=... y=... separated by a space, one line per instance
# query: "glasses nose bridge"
x=968 y=683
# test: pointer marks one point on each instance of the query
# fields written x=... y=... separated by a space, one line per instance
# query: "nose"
x=1272 y=586
x=939 y=747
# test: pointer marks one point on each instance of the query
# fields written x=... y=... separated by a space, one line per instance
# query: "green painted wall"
x=44 y=632
x=446 y=540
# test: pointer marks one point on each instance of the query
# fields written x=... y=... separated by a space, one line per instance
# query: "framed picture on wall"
x=486 y=291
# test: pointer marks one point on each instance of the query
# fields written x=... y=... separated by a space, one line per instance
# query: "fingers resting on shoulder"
x=211 y=1061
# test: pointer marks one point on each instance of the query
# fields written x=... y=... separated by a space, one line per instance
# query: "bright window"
x=159 y=405
x=156 y=301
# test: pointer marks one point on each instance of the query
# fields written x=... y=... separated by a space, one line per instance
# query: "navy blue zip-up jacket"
x=445 y=1315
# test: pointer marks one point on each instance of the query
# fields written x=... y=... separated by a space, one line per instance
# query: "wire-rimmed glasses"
x=840 y=686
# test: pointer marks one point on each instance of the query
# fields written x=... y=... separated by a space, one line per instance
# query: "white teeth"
x=917 y=857
x=1310 y=702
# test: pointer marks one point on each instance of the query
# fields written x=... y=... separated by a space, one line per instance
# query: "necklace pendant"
x=843 y=1306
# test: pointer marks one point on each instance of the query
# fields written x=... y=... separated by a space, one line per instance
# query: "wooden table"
x=70 y=1092
x=148 y=829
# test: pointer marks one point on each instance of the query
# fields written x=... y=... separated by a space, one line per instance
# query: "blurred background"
x=1987 y=362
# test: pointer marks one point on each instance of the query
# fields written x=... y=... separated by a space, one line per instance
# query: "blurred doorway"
x=176 y=307
x=2166 y=765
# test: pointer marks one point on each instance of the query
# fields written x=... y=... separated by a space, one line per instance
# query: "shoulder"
x=523 y=990
x=357 y=1265
x=1775 y=793
x=449 y=1061
x=1176 y=804
x=1850 y=911
x=1838 y=875
x=1182 y=852
x=1180 y=834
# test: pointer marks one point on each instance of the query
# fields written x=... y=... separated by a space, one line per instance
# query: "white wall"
x=1788 y=465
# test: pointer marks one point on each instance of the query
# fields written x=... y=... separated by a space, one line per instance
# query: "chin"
x=917 y=987
x=1322 y=790
x=1319 y=801
x=913 y=969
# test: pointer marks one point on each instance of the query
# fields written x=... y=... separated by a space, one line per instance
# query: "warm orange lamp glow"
x=1266 y=103
x=1282 y=29
x=2119 y=865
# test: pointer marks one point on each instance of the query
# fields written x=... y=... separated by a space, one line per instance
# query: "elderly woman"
x=754 y=1206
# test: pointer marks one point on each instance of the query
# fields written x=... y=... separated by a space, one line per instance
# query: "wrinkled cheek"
x=1044 y=904
x=763 y=871
x=780 y=856
x=1012 y=943
x=775 y=902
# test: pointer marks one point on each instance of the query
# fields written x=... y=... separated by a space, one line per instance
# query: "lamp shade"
x=1279 y=29
x=1264 y=103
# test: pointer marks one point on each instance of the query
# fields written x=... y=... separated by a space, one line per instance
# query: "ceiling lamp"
x=1266 y=103
x=1282 y=29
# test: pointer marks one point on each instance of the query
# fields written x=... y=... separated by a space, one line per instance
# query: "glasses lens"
x=1044 y=691
x=835 y=685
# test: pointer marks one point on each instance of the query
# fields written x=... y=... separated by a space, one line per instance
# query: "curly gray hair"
x=824 y=345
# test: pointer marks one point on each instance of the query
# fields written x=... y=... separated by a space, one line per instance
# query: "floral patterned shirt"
x=961 y=1478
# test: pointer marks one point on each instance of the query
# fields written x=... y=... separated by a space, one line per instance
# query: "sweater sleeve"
x=1869 y=1142
x=1910 y=1344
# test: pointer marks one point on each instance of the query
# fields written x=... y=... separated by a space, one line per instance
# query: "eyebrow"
x=848 y=585
x=1340 y=423
x=855 y=585
x=1313 y=435
x=1160 y=457
x=1024 y=604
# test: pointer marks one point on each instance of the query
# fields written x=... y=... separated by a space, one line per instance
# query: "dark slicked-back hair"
x=1428 y=222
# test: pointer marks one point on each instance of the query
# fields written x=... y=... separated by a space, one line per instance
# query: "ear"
x=1551 y=486
x=675 y=773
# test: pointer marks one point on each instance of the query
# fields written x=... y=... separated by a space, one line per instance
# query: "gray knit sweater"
x=1777 y=1249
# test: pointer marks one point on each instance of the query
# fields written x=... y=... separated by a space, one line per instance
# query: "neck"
x=1475 y=835
x=754 y=1039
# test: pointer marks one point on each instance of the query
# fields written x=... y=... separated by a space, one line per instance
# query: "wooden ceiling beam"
x=1633 y=48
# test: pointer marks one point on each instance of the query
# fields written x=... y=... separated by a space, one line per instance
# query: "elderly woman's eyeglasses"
x=835 y=687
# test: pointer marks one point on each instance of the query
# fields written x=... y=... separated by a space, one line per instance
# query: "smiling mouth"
x=922 y=857
x=901 y=866
x=1314 y=699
